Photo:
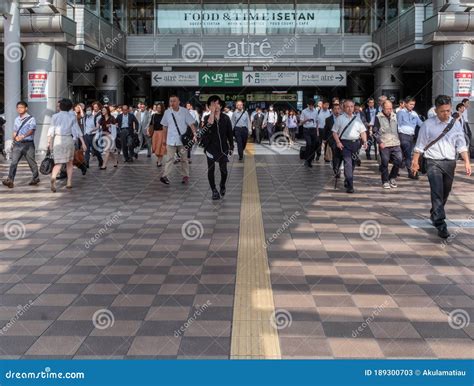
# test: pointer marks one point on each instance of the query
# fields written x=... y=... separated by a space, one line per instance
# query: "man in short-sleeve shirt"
x=173 y=138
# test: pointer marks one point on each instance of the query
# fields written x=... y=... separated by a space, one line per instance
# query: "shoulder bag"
x=422 y=159
x=188 y=137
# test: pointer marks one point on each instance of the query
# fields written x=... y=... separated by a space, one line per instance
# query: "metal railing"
x=405 y=30
x=96 y=33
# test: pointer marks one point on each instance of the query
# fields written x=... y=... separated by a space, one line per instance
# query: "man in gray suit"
x=144 y=117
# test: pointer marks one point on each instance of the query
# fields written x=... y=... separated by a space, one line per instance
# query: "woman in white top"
x=62 y=133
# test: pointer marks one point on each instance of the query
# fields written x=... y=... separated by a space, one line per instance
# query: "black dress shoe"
x=165 y=180
x=443 y=232
x=346 y=184
x=222 y=191
x=34 y=181
x=350 y=190
x=215 y=195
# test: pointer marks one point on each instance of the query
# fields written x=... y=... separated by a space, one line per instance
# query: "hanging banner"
x=462 y=84
x=37 y=86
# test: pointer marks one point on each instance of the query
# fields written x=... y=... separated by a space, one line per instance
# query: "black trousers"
x=91 y=147
x=312 y=141
x=241 y=136
x=20 y=150
x=371 y=142
x=127 y=143
x=211 y=168
x=349 y=154
x=387 y=154
x=441 y=176
x=407 y=144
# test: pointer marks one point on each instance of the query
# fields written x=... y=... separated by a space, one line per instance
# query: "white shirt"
x=272 y=117
x=323 y=114
x=353 y=132
x=64 y=123
x=183 y=119
x=307 y=113
x=124 y=120
x=446 y=147
x=195 y=115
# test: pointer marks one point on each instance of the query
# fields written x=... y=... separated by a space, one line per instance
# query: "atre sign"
x=249 y=49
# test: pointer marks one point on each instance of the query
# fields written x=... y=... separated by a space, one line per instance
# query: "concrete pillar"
x=139 y=87
x=389 y=82
x=14 y=53
x=447 y=58
x=109 y=83
x=52 y=59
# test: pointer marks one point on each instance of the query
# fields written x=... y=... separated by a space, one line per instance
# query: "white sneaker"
x=386 y=185
x=393 y=183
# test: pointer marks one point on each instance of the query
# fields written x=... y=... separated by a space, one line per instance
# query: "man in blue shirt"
x=407 y=120
x=23 y=144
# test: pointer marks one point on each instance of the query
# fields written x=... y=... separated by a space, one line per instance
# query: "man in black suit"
x=329 y=123
x=127 y=125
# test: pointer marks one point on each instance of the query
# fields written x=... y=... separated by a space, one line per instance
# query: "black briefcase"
x=303 y=152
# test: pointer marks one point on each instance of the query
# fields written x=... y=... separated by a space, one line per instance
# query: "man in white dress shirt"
x=440 y=158
x=309 y=120
x=347 y=132
x=180 y=116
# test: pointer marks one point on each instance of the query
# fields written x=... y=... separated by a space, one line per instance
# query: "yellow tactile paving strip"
x=253 y=336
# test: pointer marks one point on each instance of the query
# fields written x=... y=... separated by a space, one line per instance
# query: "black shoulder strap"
x=238 y=119
x=176 y=123
x=347 y=126
x=23 y=123
x=445 y=131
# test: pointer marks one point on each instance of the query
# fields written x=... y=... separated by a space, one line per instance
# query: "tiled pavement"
x=120 y=246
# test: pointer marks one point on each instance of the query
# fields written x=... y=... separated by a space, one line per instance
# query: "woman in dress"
x=107 y=136
x=62 y=133
x=292 y=125
x=158 y=139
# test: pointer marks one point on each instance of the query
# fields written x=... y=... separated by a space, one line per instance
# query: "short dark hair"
x=465 y=100
x=458 y=106
x=441 y=100
x=357 y=104
x=22 y=103
x=214 y=98
x=410 y=99
x=311 y=102
x=325 y=100
x=65 y=104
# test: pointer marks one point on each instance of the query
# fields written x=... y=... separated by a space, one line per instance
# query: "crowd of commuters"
x=336 y=129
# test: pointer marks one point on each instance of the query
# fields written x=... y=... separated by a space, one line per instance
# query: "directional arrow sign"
x=322 y=78
x=271 y=78
x=159 y=79
x=220 y=78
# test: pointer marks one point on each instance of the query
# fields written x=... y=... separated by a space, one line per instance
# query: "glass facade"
x=250 y=17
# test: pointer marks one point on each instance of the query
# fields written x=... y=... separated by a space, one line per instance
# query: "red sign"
x=38 y=86
x=462 y=84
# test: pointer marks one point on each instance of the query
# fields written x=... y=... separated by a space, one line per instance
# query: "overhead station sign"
x=322 y=78
x=189 y=78
x=249 y=78
x=270 y=78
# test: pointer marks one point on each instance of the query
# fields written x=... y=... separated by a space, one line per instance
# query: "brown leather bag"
x=78 y=158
